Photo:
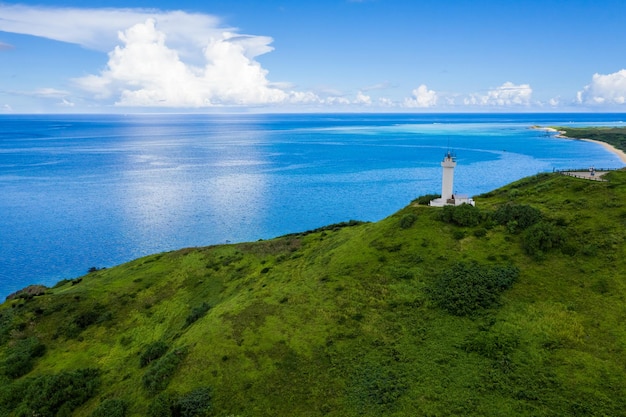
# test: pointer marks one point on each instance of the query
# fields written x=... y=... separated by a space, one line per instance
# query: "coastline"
x=561 y=134
x=621 y=154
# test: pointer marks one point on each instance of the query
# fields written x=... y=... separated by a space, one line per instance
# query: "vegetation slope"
x=515 y=307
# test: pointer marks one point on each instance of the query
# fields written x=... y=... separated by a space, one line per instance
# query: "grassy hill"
x=515 y=307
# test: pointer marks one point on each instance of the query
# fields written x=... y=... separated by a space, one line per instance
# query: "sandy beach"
x=618 y=152
x=561 y=134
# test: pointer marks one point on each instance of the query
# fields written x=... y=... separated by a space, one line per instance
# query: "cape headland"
x=612 y=138
x=511 y=307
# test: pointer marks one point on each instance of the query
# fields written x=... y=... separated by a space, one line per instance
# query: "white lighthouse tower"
x=447 y=185
x=447 y=180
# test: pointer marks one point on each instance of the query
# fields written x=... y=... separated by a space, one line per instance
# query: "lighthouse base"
x=456 y=200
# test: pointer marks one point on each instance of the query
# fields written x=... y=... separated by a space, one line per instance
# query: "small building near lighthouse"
x=448 y=198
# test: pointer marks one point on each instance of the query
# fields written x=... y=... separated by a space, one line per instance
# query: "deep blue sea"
x=78 y=191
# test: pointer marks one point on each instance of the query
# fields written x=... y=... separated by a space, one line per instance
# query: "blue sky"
x=324 y=56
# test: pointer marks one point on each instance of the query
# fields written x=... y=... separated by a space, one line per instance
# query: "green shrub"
x=97 y=314
x=159 y=374
x=152 y=352
x=463 y=215
x=197 y=403
x=541 y=237
x=110 y=408
x=161 y=406
x=11 y=395
x=407 y=220
x=468 y=287
x=516 y=216
x=377 y=387
x=6 y=325
x=21 y=357
x=480 y=232
x=196 y=313
x=458 y=234
x=59 y=394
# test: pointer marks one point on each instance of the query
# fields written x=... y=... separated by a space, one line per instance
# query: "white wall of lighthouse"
x=447 y=181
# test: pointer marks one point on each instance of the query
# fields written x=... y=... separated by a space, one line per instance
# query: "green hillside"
x=515 y=307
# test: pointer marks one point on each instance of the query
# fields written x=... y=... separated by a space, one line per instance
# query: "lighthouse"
x=447 y=180
x=448 y=198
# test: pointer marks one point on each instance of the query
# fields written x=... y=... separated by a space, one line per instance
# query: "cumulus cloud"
x=385 y=102
x=606 y=89
x=422 y=97
x=145 y=71
x=508 y=94
x=156 y=58
x=363 y=99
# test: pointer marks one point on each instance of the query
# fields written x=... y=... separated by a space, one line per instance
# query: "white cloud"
x=97 y=28
x=7 y=108
x=385 y=102
x=606 y=89
x=422 y=97
x=336 y=100
x=145 y=71
x=363 y=99
x=49 y=93
x=380 y=86
x=5 y=46
x=508 y=94
x=156 y=58
x=66 y=103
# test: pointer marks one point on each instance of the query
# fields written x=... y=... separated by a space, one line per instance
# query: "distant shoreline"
x=561 y=134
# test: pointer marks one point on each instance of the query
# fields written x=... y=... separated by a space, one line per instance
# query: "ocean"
x=82 y=191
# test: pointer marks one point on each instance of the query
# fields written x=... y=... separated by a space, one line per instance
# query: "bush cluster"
x=113 y=407
x=197 y=403
x=463 y=215
x=97 y=314
x=516 y=217
x=196 y=313
x=152 y=352
x=6 y=325
x=159 y=374
x=541 y=238
x=49 y=395
x=407 y=220
x=377 y=387
x=468 y=287
x=21 y=357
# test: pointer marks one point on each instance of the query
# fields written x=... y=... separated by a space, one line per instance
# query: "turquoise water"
x=82 y=191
